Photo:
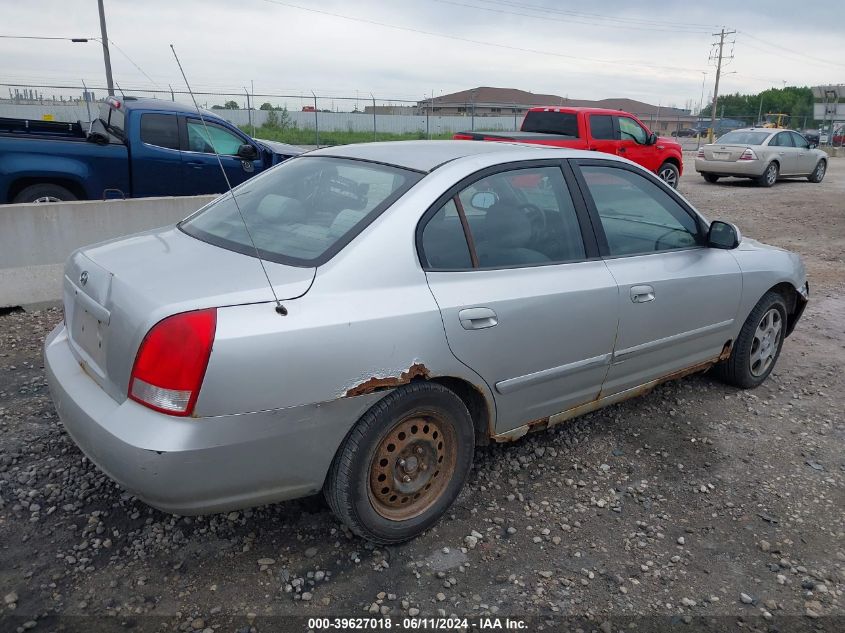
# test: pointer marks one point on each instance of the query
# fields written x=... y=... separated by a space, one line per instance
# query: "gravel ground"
x=695 y=504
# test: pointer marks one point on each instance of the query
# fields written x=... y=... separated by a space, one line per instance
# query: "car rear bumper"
x=198 y=465
x=741 y=168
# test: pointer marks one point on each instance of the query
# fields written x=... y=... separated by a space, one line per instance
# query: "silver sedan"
x=763 y=155
x=432 y=297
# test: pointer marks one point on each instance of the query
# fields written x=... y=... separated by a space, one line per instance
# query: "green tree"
x=794 y=101
x=266 y=106
x=231 y=105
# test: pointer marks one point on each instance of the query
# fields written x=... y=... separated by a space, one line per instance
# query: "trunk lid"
x=720 y=152
x=116 y=291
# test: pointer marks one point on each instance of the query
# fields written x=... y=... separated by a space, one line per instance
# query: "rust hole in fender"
x=417 y=370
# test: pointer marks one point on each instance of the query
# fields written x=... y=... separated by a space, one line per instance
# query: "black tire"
x=769 y=176
x=351 y=489
x=670 y=174
x=738 y=369
x=711 y=177
x=819 y=172
x=44 y=192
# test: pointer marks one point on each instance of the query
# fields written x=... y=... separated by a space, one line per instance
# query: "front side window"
x=799 y=141
x=601 y=127
x=522 y=217
x=630 y=130
x=161 y=130
x=302 y=211
x=637 y=215
x=209 y=137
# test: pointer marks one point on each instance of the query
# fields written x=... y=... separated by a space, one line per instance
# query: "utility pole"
x=721 y=35
x=105 y=40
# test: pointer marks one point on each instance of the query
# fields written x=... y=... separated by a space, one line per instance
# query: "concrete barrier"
x=36 y=239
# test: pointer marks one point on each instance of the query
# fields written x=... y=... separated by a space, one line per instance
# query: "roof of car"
x=770 y=130
x=164 y=105
x=428 y=155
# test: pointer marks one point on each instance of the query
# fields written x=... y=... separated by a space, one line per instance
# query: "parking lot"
x=694 y=501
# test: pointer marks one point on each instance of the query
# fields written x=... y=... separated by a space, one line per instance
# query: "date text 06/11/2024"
x=417 y=624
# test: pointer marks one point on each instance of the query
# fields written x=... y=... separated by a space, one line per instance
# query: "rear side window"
x=516 y=218
x=551 y=123
x=601 y=127
x=781 y=140
x=303 y=211
x=637 y=215
x=161 y=130
x=444 y=242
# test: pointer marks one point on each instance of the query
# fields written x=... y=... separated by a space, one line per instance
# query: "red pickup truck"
x=598 y=129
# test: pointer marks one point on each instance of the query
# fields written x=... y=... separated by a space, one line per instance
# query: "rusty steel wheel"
x=412 y=466
x=402 y=464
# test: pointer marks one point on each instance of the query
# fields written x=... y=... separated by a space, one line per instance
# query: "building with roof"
x=486 y=101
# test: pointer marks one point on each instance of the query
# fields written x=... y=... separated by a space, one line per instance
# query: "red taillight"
x=748 y=154
x=172 y=360
x=700 y=153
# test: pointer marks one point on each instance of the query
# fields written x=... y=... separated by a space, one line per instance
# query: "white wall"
x=327 y=121
x=36 y=239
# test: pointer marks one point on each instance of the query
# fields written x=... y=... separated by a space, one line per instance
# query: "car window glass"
x=299 y=210
x=522 y=217
x=743 y=138
x=799 y=141
x=782 y=140
x=601 y=127
x=630 y=130
x=444 y=242
x=214 y=138
x=637 y=215
x=161 y=130
x=544 y=122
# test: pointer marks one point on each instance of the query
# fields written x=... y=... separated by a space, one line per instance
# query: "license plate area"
x=721 y=155
x=89 y=335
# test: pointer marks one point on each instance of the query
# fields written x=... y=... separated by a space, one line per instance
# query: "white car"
x=762 y=154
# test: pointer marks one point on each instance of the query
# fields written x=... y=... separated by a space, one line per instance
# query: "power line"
x=534 y=51
x=550 y=17
x=780 y=50
x=619 y=19
x=41 y=37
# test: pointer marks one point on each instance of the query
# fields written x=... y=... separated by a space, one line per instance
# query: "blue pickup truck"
x=135 y=148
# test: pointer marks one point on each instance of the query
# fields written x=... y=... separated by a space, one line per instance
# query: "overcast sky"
x=650 y=51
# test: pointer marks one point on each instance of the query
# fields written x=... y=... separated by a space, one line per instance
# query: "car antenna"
x=280 y=309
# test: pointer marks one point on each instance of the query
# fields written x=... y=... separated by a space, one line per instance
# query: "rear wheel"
x=818 y=172
x=758 y=345
x=403 y=464
x=44 y=192
x=769 y=177
x=669 y=174
x=711 y=177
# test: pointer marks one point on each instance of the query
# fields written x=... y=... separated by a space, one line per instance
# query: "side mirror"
x=723 y=235
x=484 y=199
x=812 y=145
x=652 y=139
x=247 y=152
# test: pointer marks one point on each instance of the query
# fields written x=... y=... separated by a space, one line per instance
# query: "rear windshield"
x=743 y=138
x=563 y=123
x=113 y=120
x=303 y=211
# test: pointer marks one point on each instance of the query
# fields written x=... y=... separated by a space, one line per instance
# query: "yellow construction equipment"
x=776 y=120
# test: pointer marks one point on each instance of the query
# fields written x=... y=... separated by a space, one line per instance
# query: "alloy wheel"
x=669 y=176
x=766 y=342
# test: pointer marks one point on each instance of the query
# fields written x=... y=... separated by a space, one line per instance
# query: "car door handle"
x=477 y=318
x=621 y=150
x=195 y=164
x=642 y=294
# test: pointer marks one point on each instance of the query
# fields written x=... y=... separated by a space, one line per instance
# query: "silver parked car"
x=433 y=296
x=762 y=154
